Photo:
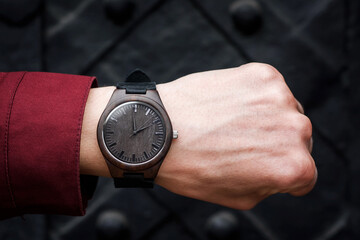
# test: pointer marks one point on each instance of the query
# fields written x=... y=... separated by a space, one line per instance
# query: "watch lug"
x=121 y=93
x=117 y=94
x=153 y=171
x=154 y=95
x=148 y=173
x=114 y=171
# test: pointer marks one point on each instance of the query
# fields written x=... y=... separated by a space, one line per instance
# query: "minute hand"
x=143 y=128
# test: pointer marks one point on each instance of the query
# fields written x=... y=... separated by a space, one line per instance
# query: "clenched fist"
x=242 y=137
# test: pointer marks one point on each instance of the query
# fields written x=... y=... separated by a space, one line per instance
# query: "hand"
x=142 y=127
x=134 y=123
x=242 y=137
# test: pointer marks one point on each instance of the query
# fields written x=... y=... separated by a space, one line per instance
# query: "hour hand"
x=142 y=127
x=134 y=123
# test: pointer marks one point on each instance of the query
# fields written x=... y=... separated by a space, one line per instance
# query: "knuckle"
x=269 y=73
x=307 y=128
x=306 y=172
x=287 y=176
x=282 y=96
x=249 y=66
x=297 y=172
x=303 y=126
x=263 y=70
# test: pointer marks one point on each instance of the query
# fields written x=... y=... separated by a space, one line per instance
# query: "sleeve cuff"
x=44 y=144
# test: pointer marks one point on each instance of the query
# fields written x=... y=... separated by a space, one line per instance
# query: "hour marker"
x=113 y=144
x=114 y=119
x=135 y=108
x=122 y=153
x=133 y=157
x=123 y=111
x=110 y=132
x=146 y=156
x=155 y=145
x=159 y=133
x=147 y=112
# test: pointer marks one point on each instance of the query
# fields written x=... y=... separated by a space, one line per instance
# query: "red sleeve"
x=40 y=129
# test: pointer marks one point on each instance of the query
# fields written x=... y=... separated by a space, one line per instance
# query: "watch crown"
x=175 y=134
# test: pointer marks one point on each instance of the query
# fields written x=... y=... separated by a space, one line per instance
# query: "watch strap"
x=137 y=88
x=134 y=180
x=137 y=83
x=137 y=76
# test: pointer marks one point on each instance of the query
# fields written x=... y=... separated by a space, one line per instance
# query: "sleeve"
x=40 y=129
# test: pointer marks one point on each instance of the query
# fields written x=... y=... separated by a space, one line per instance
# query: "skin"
x=242 y=137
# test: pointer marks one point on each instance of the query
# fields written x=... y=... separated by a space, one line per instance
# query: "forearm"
x=92 y=161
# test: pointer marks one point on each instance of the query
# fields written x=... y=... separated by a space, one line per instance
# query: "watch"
x=135 y=132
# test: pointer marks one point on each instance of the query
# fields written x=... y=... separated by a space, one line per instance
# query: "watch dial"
x=134 y=132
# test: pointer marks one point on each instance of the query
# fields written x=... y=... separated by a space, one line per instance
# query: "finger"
x=300 y=108
x=311 y=143
x=305 y=189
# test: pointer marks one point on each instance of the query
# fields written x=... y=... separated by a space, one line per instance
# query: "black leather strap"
x=136 y=88
x=137 y=76
x=136 y=83
x=133 y=180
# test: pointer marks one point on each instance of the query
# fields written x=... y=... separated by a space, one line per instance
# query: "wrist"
x=92 y=161
x=174 y=171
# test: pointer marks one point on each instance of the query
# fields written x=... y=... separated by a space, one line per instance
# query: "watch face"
x=134 y=132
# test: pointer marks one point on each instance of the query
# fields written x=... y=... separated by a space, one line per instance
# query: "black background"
x=313 y=43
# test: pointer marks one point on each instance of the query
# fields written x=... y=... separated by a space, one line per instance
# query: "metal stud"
x=222 y=226
x=119 y=11
x=112 y=225
x=246 y=15
x=19 y=12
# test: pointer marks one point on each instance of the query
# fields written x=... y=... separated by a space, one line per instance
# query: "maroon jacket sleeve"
x=40 y=128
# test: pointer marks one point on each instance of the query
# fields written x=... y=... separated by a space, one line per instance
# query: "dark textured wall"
x=314 y=43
